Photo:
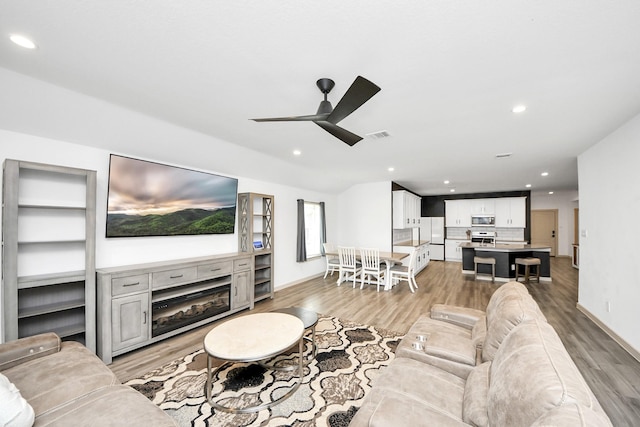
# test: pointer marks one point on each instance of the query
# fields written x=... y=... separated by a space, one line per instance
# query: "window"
x=312 y=229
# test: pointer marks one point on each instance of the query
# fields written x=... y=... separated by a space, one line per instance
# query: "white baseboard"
x=632 y=351
x=297 y=282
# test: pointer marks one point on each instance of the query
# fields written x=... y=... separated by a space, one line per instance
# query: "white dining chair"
x=405 y=272
x=349 y=265
x=333 y=262
x=372 y=272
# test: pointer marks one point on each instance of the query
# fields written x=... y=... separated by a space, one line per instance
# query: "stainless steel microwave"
x=483 y=220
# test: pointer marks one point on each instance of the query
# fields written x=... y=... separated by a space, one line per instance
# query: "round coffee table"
x=252 y=338
x=310 y=320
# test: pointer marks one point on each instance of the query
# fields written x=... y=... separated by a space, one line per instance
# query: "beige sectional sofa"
x=67 y=385
x=503 y=367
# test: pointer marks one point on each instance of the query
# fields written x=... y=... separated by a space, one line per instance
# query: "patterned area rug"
x=349 y=357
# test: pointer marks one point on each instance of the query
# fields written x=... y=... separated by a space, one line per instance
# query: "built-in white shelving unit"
x=48 y=256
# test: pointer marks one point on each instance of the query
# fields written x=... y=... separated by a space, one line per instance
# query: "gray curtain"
x=323 y=229
x=301 y=249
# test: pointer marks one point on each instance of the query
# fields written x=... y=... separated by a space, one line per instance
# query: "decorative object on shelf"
x=255 y=236
x=48 y=265
x=149 y=199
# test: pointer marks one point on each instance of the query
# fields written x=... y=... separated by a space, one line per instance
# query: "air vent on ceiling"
x=379 y=134
x=503 y=155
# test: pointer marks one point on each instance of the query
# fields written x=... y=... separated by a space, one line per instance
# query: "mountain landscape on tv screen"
x=187 y=221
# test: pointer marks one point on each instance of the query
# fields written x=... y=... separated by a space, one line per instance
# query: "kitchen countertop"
x=500 y=247
x=412 y=243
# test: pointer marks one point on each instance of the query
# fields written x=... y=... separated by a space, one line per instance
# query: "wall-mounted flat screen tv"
x=152 y=199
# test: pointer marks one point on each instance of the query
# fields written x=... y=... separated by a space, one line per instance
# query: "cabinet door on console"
x=130 y=316
x=242 y=289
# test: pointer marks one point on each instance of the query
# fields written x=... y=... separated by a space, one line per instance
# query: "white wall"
x=113 y=252
x=609 y=212
x=365 y=216
x=565 y=202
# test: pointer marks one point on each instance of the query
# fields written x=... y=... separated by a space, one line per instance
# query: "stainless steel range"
x=484 y=237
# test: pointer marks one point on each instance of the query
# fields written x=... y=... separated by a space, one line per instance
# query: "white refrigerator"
x=432 y=229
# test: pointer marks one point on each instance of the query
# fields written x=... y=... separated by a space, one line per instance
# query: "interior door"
x=544 y=228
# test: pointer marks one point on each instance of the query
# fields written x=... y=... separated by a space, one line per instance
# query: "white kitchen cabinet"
x=483 y=206
x=406 y=209
x=422 y=255
x=458 y=213
x=511 y=212
x=452 y=249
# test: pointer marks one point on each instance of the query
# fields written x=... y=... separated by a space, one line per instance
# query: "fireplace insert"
x=174 y=313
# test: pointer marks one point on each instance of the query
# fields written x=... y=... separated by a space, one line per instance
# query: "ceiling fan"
x=327 y=117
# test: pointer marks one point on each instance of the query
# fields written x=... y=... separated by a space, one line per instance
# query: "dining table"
x=389 y=258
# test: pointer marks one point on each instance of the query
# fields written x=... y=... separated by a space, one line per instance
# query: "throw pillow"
x=15 y=411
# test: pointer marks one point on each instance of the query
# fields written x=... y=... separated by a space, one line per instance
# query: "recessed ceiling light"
x=453 y=190
x=519 y=108
x=22 y=41
x=446 y=181
x=528 y=185
x=550 y=192
x=544 y=174
x=297 y=152
x=391 y=169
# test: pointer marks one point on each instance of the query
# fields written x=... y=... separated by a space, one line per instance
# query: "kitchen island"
x=505 y=256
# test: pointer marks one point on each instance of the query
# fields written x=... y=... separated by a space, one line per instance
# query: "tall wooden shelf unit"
x=255 y=236
x=48 y=251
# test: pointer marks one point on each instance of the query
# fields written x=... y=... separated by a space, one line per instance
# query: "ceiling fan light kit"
x=327 y=117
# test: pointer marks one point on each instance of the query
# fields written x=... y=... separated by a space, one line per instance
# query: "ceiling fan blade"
x=361 y=91
x=309 y=118
x=340 y=133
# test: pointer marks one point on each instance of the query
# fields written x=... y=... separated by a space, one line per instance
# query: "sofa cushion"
x=479 y=332
x=15 y=411
x=114 y=406
x=505 y=290
x=510 y=311
x=409 y=392
x=474 y=407
x=572 y=415
x=51 y=381
x=531 y=374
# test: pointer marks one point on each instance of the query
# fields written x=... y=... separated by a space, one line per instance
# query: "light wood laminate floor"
x=611 y=372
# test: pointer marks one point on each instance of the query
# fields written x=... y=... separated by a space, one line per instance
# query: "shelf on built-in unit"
x=51 y=242
x=262 y=291
x=260 y=281
x=68 y=331
x=44 y=206
x=50 y=308
x=262 y=266
x=26 y=282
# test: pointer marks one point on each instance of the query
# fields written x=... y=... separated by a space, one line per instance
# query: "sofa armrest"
x=22 y=350
x=461 y=316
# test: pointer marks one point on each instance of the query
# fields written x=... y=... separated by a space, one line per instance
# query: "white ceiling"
x=450 y=72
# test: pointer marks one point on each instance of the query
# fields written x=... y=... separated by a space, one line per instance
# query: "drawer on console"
x=214 y=269
x=242 y=264
x=129 y=284
x=161 y=279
